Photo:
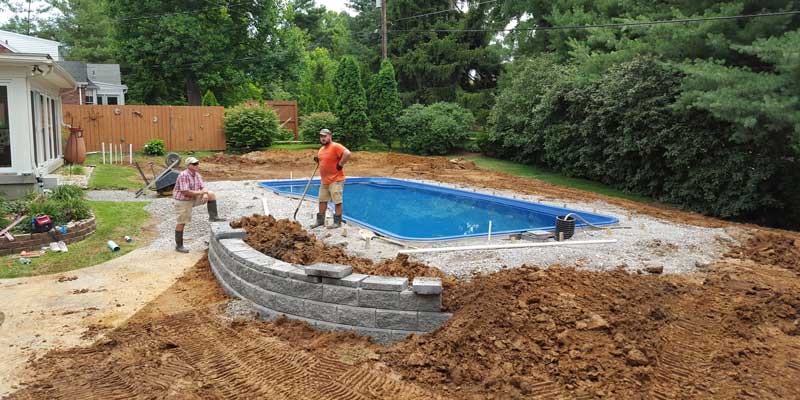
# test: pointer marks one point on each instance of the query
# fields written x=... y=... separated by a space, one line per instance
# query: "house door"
x=46 y=143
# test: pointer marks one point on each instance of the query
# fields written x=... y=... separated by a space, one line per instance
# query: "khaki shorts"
x=331 y=192
x=183 y=209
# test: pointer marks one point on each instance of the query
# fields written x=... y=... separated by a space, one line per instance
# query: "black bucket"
x=565 y=227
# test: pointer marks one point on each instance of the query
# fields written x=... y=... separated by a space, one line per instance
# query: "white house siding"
x=15 y=79
x=31 y=45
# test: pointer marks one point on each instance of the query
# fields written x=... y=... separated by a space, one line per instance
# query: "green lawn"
x=293 y=146
x=124 y=176
x=554 y=178
x=114 y=221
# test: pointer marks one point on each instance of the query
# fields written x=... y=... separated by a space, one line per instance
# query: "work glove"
x=316 y=159
x=339 y=167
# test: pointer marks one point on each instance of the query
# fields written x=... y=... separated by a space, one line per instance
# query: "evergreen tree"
x=351 y=105
x=209 y=99
x=384 y=103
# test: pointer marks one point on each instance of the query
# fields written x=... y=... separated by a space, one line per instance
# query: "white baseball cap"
x=192 y=160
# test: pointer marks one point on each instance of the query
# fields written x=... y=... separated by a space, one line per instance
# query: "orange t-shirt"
x=329 y=157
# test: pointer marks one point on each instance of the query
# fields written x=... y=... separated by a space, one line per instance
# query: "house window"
x=88 y=100
x=5 y=131
x=34 y=111
x=56 y=128
x=111 y=100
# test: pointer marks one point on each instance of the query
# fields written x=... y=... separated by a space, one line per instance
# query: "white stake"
x=111 y=153
x=505 y=246
x=490 y=231
x=266 y=208
x=104 y=151
x=130 y=152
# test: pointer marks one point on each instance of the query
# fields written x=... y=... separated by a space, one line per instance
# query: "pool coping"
x=523 y=204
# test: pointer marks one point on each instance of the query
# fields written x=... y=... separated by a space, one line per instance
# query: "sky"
x=335 y=5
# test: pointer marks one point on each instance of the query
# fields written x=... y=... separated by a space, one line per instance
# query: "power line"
x=610 y=25
x=438 y=12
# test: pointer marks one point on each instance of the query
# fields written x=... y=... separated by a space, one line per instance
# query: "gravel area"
x=238 y=309
x=647 y=243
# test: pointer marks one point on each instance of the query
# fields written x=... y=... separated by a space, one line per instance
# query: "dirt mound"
x=561 y=332
x=769 y=248
x=222 y=158
x=287 y=240
x=199 y=355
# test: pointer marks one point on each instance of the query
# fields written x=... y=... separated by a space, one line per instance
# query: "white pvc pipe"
x=489 y=239
x=130 y=153
x=104 y=151
x=111 y=153
x=505 y=246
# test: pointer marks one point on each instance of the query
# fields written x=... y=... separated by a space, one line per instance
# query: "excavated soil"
x=287 y=240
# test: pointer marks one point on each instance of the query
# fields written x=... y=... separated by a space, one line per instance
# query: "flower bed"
x=76 y=231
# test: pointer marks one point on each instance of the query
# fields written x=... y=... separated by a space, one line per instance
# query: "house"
x=31 y=142
x=97 y=83
x=11 y=42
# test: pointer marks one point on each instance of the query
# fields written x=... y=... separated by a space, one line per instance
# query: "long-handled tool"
x=305 y=191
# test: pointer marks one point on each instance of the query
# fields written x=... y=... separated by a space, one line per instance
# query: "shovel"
x=305 y=191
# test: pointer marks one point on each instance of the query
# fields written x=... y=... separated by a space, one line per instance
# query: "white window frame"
x=45 y=129
x=11 y=138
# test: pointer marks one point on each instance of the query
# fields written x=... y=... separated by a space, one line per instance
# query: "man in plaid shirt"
x=190 y=192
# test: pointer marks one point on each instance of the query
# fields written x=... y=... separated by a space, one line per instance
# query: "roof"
x=76 y=68
x=105 y=73
x=30 y=44
x=50 y=70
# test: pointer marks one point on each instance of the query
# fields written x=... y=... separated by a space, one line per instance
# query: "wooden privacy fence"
x=182 y=128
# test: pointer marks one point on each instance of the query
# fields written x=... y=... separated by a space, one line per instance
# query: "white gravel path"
x=649 y=242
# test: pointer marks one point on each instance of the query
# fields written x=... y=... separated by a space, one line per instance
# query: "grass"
x=555 y=178
x=72 y=169
x=114 y=220
x=124 y=176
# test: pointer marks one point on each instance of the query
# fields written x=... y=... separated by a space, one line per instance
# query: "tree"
x=209 y=99
x=316 y=81
x=384 y=103
x=86 y=29
x=351 y=105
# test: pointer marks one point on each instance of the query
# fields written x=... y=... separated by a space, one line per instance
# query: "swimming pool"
x=416 y=211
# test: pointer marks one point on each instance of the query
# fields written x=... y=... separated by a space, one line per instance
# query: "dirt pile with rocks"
x=764 y=247
x=286 y=240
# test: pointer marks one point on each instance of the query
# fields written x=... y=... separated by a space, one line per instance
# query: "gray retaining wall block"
x=321 y=311
x=411 y=301
x=223 y=230
x=328 y=270
x=280 y=268
x=233 y=245
x=378 y=299
x=426 y=285
x=340 y=295
x=298 y=272
x=285 y=304
x=352 y=280
x=305 y=290
x=388 y=283
x=389 y=319
x=356 y=316
x=429 y=321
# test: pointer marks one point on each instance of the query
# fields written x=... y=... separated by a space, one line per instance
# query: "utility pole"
x=383 y=29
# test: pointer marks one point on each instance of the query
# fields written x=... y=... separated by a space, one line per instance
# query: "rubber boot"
x=212 y=212
x=337 y=222
x=179 y=242
x=320 y=221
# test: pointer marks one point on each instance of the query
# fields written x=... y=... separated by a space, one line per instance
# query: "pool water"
x=415 y=211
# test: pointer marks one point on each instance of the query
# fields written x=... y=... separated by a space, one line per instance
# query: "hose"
x=584 y=220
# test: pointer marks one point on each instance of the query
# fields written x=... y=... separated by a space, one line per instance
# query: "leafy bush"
x=285 y=134
x=311 y=124
x=437 y=129
x=154 y=147
x=67 y=192
x=351 y=105
x=250 y=127
x=625 y=130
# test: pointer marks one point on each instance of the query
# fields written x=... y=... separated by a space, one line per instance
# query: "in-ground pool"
x=416 y=211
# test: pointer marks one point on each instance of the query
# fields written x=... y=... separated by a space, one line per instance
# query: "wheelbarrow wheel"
x=171 y=158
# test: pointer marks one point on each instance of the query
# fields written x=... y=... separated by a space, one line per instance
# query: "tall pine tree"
x=384 y=103
x=351 y=105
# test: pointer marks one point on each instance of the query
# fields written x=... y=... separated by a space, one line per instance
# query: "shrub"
x=67 y=192
x=437 y=129
x=311 y=124
x=154 y=147
x=285 y=134
x=351 y=105
x=250 y=127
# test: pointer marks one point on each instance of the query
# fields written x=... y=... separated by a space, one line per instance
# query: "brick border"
x=76 y=231
x=385 y=308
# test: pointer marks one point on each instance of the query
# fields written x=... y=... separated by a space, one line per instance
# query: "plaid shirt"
x=187 y=180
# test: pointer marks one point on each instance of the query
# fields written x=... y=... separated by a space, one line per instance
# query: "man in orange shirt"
x=331 y=157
